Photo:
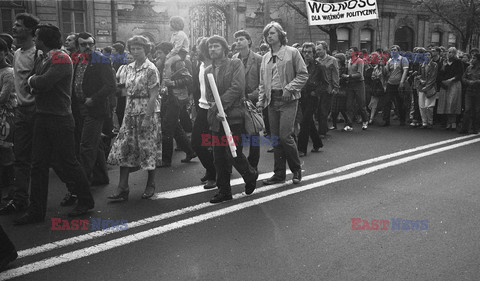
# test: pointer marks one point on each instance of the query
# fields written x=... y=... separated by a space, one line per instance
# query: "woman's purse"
x=254 y=123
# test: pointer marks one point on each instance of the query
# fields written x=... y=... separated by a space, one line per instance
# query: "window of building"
x=8 y=10
x=73 y=16
x=436 y=39
x=366 y=36
x=452 y=40
x=343 y=39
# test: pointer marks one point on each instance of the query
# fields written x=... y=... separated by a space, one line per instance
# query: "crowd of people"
x=126 y=104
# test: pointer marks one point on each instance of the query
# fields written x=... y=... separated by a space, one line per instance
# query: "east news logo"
x=94 y=223
x=396 y=224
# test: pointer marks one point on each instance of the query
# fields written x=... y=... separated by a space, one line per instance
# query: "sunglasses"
x=87 y=44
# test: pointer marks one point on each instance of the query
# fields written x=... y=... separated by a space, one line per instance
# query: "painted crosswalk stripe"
x=96 y=234
x=88 y=251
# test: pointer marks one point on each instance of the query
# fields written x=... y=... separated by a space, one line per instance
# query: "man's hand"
x=287 y=96
x=88 y=102
x=220 y=117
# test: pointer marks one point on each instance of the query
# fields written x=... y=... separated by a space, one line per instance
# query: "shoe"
x=370 y=122
x=314 y=150
x=448 y=127
x=364 y=126
x=8 y=258
x=250 y=186
x=413 y=125
x=220 y=198
x=164 y=165
x=149 y=192
x=69 y=199
x=28 y=218
x=272 y=180
x=332 y=127
x=475 y=132
x=204 y=179
x=347 y=129
x=297 y=176
x=189 y=158
x=210 y=184
x=302 y=154
x=271 y=150
x=11 y=208
x=122 y=196
x=81 y=209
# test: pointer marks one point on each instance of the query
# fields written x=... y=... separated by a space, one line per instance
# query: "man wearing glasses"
x=93 y=83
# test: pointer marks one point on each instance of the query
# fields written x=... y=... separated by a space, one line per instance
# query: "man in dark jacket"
x=316 y=86
x=93 y=83
x=54 y=127
x=229 y=76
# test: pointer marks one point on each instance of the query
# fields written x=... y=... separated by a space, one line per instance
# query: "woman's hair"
x=341 y=57
x=282 y=35
x=177 y=23
x=139 y=40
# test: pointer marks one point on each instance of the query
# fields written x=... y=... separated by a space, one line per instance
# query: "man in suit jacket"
x=252 y=62
x=93 y=83
x=229 y=76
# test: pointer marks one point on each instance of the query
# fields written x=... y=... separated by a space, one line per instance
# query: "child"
x=179 y=39
x=8 y=102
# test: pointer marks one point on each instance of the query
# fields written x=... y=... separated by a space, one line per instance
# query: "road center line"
x=96 y=234
x=77 y=254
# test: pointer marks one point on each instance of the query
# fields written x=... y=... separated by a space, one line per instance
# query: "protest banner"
x=320 y=13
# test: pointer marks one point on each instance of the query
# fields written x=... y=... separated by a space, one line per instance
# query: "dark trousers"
x=393 y=94
x=185 y=119
x=472 y=112
x=224 y=161
x=54 y=135
x=323 y=108
x=120 y=110
x=308 y=105
x=254 y=153
x=356 y=93
x=24 y=123
x=6 y=245
x=171 y=129
x=281 y=115
x=204 y=152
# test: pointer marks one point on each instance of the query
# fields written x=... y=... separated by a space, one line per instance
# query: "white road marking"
x=92 y=235
x=77 y=254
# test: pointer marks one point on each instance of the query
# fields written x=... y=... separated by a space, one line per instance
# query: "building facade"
x=111 y=20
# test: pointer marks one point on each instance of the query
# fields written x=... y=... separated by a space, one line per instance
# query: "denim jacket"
x=292 y=70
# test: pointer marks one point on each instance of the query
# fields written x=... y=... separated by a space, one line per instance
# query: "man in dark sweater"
x=54 y=127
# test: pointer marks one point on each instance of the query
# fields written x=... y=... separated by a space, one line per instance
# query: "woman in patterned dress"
x=138 y=144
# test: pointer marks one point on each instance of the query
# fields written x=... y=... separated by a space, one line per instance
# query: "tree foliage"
x=461 y=15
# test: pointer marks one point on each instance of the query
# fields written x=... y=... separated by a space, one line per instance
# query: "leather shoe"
x=80 y=209
x=272 y=180
x=121 y=196
x=10 y=208
x=315 y=150
x=220 y=198
x=297 y=177
x=69 y=199
x=28 y=218
x=251 y=185
x=204 y=179
x=189 y=158
x=8 y=258
x=210 y=184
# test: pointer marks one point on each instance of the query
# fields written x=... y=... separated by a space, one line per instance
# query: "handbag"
x=253 y=120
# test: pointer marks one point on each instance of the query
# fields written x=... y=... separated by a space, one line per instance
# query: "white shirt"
x=202 y=102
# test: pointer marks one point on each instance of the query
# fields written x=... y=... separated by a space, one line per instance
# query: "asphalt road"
x=282 y=232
